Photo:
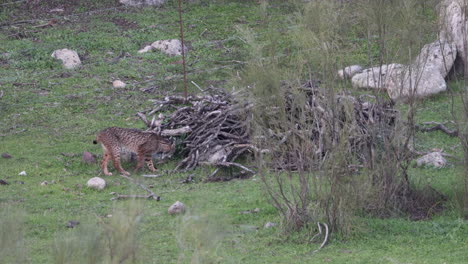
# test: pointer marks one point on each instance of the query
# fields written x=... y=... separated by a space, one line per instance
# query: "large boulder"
x=143 y=2
x=69 y=58
x=453 y=24
x=377 y=77
x=422 y=78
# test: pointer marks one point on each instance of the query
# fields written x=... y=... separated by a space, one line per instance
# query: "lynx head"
x=167 y=145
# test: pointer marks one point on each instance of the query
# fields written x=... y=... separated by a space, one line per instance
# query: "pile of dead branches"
x=217 y=126
x=314 y=123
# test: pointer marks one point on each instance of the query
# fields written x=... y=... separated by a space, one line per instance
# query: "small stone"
x=176 y=208
x=142 y=2
x=69 y=58
x=118 y=84
x=269 y=225
x=109 y=216
x=89 y=157
x=23 y=173
x=56 y=10
x=432 y=159
x=3 y=182
x=96 y=183
x=72 y=223
x=6 y=155
x=172 y=47
x=44 y=183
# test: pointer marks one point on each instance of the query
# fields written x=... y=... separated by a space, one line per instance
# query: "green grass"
x=47 y=110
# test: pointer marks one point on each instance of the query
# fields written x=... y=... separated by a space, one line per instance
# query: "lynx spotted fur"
x=143 y=143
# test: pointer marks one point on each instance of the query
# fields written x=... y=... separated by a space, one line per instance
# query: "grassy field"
x=50 y=115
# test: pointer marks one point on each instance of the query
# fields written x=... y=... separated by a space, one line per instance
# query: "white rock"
x=143 y=2
x=118 y=84
x=176 y=208
x=422 y=78
x=23 y=173
x=44 y=183
x=57 y=10
x=69 y=58
x=376 y=77
x=171 y=47
x=269 y=225
x=146 y=49
x=349 y=72
x=96 y=183
x=453 y=24
x=432 y=159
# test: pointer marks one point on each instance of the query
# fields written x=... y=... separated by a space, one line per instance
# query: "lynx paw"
x=108 y=174
x=125 y=173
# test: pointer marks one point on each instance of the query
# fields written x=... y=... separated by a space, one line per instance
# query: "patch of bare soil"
x=124 y=24
x=424 y=204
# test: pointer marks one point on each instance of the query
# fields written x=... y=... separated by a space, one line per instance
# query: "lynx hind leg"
x=105 y=160
x=115 y=155
x=149 y=163
x=140 y=160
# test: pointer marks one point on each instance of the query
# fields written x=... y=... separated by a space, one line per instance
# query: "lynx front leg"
x=105 y=160
x=149 y=163
x=117 y=164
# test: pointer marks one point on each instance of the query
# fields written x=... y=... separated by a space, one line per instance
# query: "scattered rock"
x=44 y=183
x=23 y=173
x=424 y=77
x=96 y=183
x=5 y=155
x=118 y=84
x=171 y=47
x=349 y=72
x=56 y=10
x=176 y=208
x=19 y=182
x=89 y=157
x=109 y=216
x=432 y=159
x=142 y=2
x=72 y=223
x=453 y=23
x=376 y=77
x=3 y=182
x=69 y=58
x=269 y=225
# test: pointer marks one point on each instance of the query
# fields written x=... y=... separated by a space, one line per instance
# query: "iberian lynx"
x=143 y=143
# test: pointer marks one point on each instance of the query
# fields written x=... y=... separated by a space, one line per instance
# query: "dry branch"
x=151 y=194
x=437 y=127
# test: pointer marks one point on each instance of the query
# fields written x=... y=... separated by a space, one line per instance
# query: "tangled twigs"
x=437 y=126
x=151 y=195
x=217 y=128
